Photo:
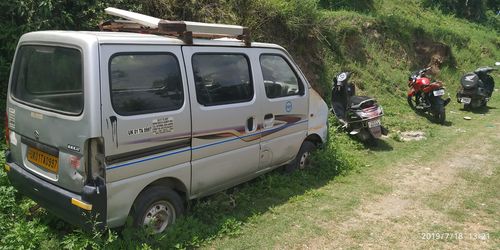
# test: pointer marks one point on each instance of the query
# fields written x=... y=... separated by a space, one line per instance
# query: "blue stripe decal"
x=149 y=159
x=204 y=146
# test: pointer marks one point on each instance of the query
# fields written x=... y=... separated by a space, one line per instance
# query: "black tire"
x=302 y=159
x=372 y=141
x=411 y=102
x=154 y=199
x=440 y=116
x=467 y=107
x=483 y=103
x=438 y=107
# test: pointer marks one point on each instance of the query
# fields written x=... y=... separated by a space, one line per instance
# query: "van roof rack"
x=139 y=23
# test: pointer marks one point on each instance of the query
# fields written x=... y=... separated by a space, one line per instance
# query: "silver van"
x=106 y=125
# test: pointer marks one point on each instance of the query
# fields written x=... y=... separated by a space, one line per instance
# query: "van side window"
x=279 y=78
x=145 y=83
x=222 y=79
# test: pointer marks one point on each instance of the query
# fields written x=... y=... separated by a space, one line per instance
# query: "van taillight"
x=95 y=160
x=7 y=131
x=74 y=162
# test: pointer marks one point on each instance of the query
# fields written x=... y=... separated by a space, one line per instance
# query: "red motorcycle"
x=426 y=96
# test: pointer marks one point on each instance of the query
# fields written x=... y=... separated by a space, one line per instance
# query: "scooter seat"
x=357 y=101
x=470 y=81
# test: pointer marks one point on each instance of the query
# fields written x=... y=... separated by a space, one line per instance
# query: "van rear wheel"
x=157 y=208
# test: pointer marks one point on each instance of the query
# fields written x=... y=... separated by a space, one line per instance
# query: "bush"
x=483 y=11
x=357 y=5
x=19 y=17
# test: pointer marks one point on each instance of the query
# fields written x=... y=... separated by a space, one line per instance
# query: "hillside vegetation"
x=379 y=41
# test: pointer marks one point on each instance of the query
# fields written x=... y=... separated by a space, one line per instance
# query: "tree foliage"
x=484 y=11
x=20 y=16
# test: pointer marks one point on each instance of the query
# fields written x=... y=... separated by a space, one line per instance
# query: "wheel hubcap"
x=158 y=216
x=304 y=160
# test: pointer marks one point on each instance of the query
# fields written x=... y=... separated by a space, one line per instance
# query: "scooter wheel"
x=372 y=141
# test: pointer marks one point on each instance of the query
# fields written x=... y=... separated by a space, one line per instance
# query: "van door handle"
x=251 y=124
x=268 y=120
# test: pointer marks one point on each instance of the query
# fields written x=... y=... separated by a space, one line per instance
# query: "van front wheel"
x=303 y=158
x=157 y=208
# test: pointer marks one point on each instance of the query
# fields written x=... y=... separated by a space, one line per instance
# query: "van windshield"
x=49 y=77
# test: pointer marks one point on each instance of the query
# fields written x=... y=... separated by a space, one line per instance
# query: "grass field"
x=394 y=195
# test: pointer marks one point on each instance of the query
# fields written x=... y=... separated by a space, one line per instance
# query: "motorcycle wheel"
x=440 y=116
x=412 y=102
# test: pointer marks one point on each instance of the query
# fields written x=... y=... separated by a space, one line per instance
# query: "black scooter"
x=359 y=115
x=476 y=88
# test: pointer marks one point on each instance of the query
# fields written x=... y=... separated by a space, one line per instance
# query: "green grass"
x=477 y=194
x=474 y=202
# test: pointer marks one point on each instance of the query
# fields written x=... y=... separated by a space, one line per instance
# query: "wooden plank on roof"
x=148 y=21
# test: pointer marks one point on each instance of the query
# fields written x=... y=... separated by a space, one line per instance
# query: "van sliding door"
x=226 y=117
x=146 y=121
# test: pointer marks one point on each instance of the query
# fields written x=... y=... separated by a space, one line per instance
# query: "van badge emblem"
x=37 y=135
x=288 y=106
x=73 y=148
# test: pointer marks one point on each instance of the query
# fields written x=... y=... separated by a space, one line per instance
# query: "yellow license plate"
x=42 y=159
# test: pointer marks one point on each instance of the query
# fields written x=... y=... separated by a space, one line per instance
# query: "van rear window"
x=49 y=77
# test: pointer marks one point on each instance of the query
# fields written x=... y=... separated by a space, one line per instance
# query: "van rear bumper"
x=57 y=200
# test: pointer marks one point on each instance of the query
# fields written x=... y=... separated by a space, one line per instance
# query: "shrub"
x=358 y=5
x=483 y=11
